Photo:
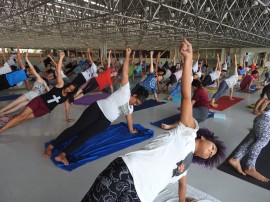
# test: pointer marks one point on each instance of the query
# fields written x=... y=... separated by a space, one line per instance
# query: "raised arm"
x=60 y=82
x=89 y=55
x=186 y=105
x=133 y=56
x=19 y=57
x=109 y=59
x=151 y=62
x=235 y=64
x=174 y=59
x=3 y=53
x=32 y=68
x=125 y=68
x=54 y=63
x=157 y=61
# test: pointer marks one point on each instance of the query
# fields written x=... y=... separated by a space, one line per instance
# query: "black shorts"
x=79 y=80
x=266 y=90
x=172 y=80
x=3 y=82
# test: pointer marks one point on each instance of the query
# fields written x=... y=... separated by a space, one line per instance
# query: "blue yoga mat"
x=176 y=99
x=147 y=104
x=9 y=97
x=174 y=118
x=115 y=138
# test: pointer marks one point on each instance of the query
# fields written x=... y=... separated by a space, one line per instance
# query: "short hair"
x=254 y=72
x=162 y=70
x=141 y=92
x=224 y=70
x=196 y=83
x=221 y=149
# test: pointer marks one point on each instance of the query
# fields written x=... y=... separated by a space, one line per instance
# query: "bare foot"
x=48 y=151
x=62 y=158
x=166 y=126
x=253 y=173
x=214 y=105
x=235 y=163
x=256 y=112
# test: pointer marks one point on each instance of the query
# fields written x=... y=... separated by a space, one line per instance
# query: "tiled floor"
x=25 y=176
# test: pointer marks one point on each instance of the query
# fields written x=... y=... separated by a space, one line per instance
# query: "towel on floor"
x=115 y=138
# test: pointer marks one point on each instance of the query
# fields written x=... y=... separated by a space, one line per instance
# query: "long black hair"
x=71 y=95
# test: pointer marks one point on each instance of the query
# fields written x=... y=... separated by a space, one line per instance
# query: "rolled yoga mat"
x=115 y=138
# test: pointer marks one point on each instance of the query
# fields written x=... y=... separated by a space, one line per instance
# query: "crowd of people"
x=169 y=156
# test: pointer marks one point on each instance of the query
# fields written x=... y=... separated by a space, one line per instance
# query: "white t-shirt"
x=116 y=104
x=215 y=75
x=246 y=58
x=11 y=61
x=158 y=163
x=5 y=69
x=232 y=80
x=168 y=74
x=225 y=66
x=90 y=72
x=178 y=74
x=195 y=67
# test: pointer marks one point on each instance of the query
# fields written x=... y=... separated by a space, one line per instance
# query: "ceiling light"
x=185 y=1
x=207 y=9
x=255 y=3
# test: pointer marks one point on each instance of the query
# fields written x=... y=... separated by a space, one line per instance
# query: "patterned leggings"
x=115 y=183
x=258 y=138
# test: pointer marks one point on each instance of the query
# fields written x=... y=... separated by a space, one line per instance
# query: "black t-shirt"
x=53 y=98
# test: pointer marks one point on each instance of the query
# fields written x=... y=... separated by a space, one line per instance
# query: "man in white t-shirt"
x=166 y=159
x=5 y=69
x=98 y=116
x=225 y=85
x=246 y=59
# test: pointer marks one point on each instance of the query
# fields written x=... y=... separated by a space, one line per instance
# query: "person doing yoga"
x=45 y=103
x=141 y=175
x=99 y=116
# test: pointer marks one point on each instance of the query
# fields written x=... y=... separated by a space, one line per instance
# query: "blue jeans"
x=223 y=87
x=176 y=90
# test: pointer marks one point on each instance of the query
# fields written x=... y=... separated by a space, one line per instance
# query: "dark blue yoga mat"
x=174 y=118
x=115 y=138
x=147 y=104
x=9 y=97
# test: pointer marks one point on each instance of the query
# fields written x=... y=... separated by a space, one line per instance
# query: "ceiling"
x=143 y=24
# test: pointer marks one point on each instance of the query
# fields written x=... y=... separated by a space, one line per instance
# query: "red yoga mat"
x=224 y=102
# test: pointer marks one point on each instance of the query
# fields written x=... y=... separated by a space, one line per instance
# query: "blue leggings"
x=223 y=87
x=176 y=89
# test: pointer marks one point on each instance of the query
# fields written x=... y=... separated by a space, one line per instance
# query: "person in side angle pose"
x=225 y=85
x=45 y=103
x=40 y=87
x=99 y=116
x=141 y=175
x=258 y=138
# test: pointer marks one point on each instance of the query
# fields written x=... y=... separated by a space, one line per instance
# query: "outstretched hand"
x=62 y=55
x=186 y=49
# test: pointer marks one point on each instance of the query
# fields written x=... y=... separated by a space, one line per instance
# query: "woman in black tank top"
x=45 y=103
